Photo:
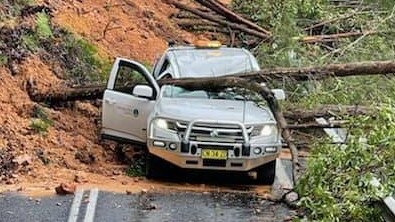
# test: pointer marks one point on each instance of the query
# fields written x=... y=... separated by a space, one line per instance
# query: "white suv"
x=224 y=130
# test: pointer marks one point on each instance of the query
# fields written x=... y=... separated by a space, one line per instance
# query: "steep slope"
x=133 y=29
x=52 y=144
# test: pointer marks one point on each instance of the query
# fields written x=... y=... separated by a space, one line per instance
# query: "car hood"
x=212 y=109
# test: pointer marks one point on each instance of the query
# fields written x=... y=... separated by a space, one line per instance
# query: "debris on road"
x=64 y=189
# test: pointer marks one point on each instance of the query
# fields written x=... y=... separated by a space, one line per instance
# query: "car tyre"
x=266 y=173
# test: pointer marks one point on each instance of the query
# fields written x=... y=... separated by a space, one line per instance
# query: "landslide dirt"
x=133 y=29
x=69 y=150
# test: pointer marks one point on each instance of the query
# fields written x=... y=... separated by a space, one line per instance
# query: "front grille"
x=214 y=163
x=208 y=132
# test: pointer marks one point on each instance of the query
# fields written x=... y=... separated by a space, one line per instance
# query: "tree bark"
x=323 y=72
x=304 y=115
x=216 y=20
x=298 y=74
x=232 y=16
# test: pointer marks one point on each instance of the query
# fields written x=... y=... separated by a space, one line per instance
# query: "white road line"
x=75 y=206
x=282 y=176
x=90 y=209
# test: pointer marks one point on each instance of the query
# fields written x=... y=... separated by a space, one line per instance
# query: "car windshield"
x=227 y=94
x=212 y=62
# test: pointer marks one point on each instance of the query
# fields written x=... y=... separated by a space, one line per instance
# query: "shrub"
x=342 y=182
x=40 y=121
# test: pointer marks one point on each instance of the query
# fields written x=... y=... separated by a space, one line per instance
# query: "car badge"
x=214 y=133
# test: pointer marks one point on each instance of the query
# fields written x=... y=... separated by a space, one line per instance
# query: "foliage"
x=40 y=121
x=43 y=27
x=12 y=8
x=89 y=66
x=3 y=60
x=339 y=183
x=136 y=169
x=30 y=42
x=342 y=182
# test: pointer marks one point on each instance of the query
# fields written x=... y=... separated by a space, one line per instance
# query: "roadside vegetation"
x=78 y=59
x=342 y=182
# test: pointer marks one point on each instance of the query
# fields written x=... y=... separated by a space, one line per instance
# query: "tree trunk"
x=303 y=115
x=298 y=74
x=232 y=16
x=216 y=20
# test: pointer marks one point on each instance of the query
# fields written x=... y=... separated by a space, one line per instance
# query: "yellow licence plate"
x=215 y=154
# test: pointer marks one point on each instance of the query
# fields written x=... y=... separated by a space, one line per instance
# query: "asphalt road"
x=170 y=206
x=161 y=206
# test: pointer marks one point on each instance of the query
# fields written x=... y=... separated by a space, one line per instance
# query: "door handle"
x=110 y=101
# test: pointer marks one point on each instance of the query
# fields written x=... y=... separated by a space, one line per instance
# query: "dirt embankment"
x=51 y=144
x=44 y=145
x=133 y=29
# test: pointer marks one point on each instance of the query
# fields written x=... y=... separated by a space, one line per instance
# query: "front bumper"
x=186 y=152
x=195 y=161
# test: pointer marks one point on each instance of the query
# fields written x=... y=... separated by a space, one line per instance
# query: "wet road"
x=157 y=205
x=169 y=206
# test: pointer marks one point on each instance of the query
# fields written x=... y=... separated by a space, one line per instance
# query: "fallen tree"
x=222 y=22
x=298 y=74
x=232 y=16
x=303 y=115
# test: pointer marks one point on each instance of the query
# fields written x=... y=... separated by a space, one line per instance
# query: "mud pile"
x=46 y=142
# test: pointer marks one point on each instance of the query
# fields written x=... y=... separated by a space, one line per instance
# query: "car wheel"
x=267 y=173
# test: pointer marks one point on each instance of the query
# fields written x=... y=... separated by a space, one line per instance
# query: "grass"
x=90 y=66
x=30 y=42
x=40 y=122
x=3 y=60
x=43 y=27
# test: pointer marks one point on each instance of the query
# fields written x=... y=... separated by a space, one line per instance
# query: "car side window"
x=165 y=66
x=128 y=76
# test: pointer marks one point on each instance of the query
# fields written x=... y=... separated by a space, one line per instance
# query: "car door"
x=124 y=113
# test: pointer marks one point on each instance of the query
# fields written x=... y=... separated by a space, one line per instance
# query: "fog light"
x=159 y=143
x=257 y=150
x=173 y=146
x=193 y=149
x=271 y=149
x=237 y=151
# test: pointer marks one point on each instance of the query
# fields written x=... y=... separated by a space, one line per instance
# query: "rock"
x=24 y=159
x=77 y=179
x=128 y=192
x=59 y=204
x=116 y=172
x=85 y=157
x=124 y=183
x=136 y=179
x=144 y=191
x=291 y=197
x=64 y=189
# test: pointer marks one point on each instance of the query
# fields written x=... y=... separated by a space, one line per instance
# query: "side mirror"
x=143 y=91
x=279 y=94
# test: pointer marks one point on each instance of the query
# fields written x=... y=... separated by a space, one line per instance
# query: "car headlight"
x=265 y=130
x=165 y=124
